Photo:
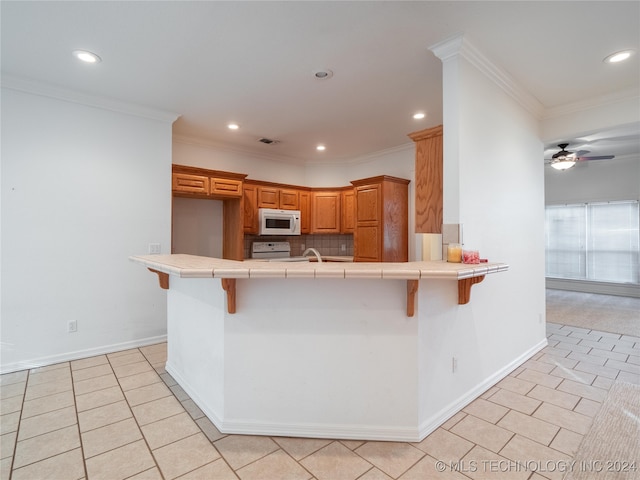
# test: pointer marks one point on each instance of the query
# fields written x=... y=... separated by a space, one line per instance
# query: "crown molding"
x=459 y=45
x=631 y=94
x=47 y=90
x=205 y=142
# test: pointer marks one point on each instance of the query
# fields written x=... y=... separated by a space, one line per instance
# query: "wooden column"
x=428 y=188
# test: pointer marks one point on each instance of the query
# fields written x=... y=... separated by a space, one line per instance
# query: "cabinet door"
x=305 y=212
x=367 y=243
x=289 y=199
x=185 y=183
x=268 y=197
x=348 y=211
x=225 y=187
x=368 y=204
x=250 y=209
x=325 y=212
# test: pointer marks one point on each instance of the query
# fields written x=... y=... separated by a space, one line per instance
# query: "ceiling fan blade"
x=600 y=157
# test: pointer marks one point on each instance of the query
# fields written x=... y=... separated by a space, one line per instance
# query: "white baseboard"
x=307 y=430
x=431 y=424
x=603 y=288
x=79 y=354
x=350 y=432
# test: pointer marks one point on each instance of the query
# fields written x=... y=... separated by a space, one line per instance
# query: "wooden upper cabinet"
x=278 y=198
x=348 y=219
x=289 y=199
x=305 y=211
x=225 y=187
x=268 y=197
x=202 y=183
x=185 y=183
x=325 y=211
x=250 y=208
x=381 y=220
x=429 y=180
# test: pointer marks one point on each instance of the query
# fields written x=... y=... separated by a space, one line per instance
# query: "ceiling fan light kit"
x=564 y=160
x=563 y=164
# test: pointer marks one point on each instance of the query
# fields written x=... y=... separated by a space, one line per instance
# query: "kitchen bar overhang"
x=191 y=266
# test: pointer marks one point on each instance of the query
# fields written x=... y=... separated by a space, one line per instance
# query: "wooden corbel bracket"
x=163 y=278
x=464 y=288
x=412 y=288
x=229 y=286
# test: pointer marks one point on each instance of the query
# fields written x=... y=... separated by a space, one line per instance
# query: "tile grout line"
x=15 y=442
x=135 y=419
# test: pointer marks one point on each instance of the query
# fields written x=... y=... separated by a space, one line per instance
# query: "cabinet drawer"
x=182 y=182
x=225 y=187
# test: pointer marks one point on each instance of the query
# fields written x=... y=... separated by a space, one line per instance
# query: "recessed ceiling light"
x=323 y=74
x=419 y=116
x=233 y=126
x=86 y=56
x=618 y=56
x=321 y=148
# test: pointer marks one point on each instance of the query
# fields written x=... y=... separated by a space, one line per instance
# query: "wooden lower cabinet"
x=381 y=220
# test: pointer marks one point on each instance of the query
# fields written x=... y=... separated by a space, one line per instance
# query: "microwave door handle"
x=294 y=223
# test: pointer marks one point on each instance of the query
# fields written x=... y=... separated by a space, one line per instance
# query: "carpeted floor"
x=607 y=313
x=611 y=448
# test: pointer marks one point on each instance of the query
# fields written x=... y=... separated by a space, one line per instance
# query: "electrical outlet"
x=154 y=248
x=343 y=248
x=72 y=326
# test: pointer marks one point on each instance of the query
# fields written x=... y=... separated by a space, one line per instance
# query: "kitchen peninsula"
x=333 y=350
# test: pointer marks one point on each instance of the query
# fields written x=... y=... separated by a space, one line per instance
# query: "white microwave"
x=279 y=222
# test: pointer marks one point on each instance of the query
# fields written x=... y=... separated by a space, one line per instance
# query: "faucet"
x=315 y=252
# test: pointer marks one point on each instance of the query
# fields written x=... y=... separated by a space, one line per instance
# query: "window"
x=594 y=241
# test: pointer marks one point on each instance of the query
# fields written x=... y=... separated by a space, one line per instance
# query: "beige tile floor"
x=121 y=416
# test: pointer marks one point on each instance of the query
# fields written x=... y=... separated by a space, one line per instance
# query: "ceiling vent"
x=268 y=141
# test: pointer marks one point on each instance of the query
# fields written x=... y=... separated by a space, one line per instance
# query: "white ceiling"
x=214 y=62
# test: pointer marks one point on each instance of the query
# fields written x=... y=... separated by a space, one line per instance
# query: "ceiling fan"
x=564 y=159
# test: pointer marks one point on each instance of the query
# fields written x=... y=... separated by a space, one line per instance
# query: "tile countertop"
x=191 y=266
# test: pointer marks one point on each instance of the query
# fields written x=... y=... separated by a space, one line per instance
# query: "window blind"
x=593 y=241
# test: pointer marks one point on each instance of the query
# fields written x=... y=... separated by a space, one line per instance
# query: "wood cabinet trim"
x=426 y=134
x=206 y=172
x=379 y=179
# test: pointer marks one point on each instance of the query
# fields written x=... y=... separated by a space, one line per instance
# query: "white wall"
x=501 y=179
x=215 y=158
x=83 y=188
x=595 y=181
x=493 y=185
